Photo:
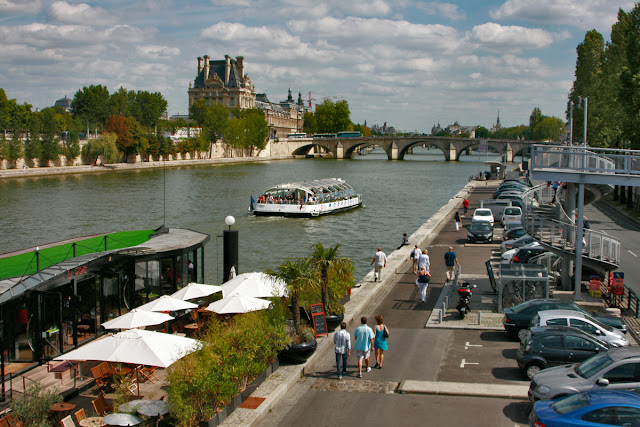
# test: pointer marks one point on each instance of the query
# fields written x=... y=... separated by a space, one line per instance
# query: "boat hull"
x=290 y=210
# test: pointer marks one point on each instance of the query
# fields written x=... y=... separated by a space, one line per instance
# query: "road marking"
x=633 y=254
x=464 y=362
x=467 y=345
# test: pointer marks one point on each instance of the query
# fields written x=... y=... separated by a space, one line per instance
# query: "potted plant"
x=300 y=277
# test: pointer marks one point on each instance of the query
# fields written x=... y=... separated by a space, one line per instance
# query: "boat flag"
x=251 y=205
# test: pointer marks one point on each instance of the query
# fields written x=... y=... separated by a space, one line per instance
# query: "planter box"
x=240 y=397
x=298 y=353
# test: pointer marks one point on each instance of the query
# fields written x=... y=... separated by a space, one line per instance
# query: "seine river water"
x=399 y=196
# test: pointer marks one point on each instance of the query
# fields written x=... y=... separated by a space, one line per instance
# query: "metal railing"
x=628 y=302
x=586 y=160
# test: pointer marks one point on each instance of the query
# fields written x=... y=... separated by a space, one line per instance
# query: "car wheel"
x=522 y=333
x=532 y=370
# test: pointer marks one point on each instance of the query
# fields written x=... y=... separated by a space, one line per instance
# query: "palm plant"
x=325 y=260
x=300 y=276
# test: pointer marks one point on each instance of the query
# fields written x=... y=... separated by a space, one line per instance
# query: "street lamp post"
x=230 y=249
x=580 y=225
x=570 y=122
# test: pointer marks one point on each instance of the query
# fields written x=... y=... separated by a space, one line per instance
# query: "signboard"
x=616 y=282
x=594 y=283
x=319 y=320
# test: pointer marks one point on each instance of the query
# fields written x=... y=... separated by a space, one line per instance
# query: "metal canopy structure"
x=521 y=282
x=318 y=185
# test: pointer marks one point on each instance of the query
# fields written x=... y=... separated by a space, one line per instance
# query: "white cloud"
x=448 y=10
x=492 y=36
x=583 y=14
x=157 y=52
x=81 y=14
x=20 y=6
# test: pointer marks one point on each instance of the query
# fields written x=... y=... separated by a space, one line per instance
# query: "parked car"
x=525 y=253
x=517 y=243
x=480 y=231
x=596 y=408
x=583 y=321
x=511 y=214
x=482 y=214
x=517 y=319
x=507 y=256
x=546 y=346
x=617 y=369
x=514 y=233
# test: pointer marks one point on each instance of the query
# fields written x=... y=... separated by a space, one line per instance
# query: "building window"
x=207 y=102
x=232 y=100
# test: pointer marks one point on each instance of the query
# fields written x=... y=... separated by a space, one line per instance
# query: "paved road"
x=603 y=217
x=415 y=353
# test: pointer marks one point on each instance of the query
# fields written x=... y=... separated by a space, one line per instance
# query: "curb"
x=504 y=391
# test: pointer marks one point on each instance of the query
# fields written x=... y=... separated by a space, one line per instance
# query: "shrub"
x=32 y=408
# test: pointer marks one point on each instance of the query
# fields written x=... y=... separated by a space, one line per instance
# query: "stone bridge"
x=397 y=146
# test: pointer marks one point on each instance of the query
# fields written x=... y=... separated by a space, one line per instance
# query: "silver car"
x=617 y=369
x=582 y=321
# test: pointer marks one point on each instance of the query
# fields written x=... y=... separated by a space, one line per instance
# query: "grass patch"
x=25 y=264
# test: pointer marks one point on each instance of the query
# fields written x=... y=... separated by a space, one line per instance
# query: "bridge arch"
x=348 y=153
x=304 y=150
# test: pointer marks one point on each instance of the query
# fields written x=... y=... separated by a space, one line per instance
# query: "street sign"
x=319 y=320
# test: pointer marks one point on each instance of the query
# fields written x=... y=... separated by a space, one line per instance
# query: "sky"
x=409 y=63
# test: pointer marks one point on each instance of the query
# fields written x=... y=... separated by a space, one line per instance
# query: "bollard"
x=479 y=318
x=446 y=301
x=444 y=307
x=440 y=317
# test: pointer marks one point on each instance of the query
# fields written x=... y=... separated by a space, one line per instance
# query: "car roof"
x=621 y=353
x=561 y=313
x=541 y=330
x=614 y=397
x=482 y=210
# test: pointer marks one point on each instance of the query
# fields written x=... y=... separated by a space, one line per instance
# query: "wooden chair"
x=100 y=405
x=194 y=316
x=67 y=422
x=13 y=421
x=4 y=422
x=102 y=381
x=80 y=415
x=147 y=372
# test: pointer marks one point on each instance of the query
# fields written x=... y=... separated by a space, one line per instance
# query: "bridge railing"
x=586 y=160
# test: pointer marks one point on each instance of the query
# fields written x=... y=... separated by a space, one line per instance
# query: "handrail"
x=586 y=160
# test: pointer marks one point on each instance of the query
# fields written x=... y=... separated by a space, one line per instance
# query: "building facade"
x=225 y=82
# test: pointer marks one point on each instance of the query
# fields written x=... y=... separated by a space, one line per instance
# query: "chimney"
x=199 y=65
x=227 y=69
x=206 y=67
x=240 y=60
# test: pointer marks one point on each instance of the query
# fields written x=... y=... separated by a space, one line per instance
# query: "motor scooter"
x=465 y=292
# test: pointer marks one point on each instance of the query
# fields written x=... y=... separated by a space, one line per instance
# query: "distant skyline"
x=409 y=63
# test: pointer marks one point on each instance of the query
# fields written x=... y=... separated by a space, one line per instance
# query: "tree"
x=72 y=145
x=6 y=108
x=535 y=118
x=256 y=130
x=300 y=276
x=103 y=146
x=212 y=119
x=124 y=140
x=121 y=102
x=327 y=260
x=148 y=108
x=549 y=128
x=309 y=124
x=482 y=132
x=33 y=145
x=91 y=104
x=630 y=78
x=50 y=142
x=333 y=117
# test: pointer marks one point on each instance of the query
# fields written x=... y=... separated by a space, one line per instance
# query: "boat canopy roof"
x=314 y=186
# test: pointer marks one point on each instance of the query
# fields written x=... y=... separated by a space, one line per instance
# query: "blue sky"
x=405 y=62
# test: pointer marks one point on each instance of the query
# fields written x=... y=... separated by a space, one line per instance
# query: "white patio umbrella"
x=167 y=303
x=136 y=319
x=196 y=290
x=136 y=346
x=257 y=285
x=238 y=304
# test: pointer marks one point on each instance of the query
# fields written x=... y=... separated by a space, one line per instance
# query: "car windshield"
x=593 y=365
x=518 y=308
x=570 y=403
x=483 y=213
x=480 y=226
x=512 y=211
x=599 y=323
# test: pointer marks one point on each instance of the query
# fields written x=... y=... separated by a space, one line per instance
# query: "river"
x=399 y=196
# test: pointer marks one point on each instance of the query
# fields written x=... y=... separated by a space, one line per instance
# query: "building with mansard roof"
x=225 y=82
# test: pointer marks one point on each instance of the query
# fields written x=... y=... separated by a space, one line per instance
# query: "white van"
x=581 y=321
x=511 y=214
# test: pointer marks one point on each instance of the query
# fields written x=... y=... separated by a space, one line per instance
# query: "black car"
x=480 y=231
x=517 y=318
x=546 y=346
x=523 y=255
x=514 y=233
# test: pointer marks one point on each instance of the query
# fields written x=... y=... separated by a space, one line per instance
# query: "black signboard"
x=319 y=320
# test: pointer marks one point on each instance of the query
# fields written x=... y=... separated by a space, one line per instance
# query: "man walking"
x=451 y=262
x=380 y=259
x=424 y=261
x=364 y=342
x=342 y=341
x=465 y=205
x=415 y=255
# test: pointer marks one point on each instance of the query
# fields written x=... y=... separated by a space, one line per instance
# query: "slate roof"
x=218 y=67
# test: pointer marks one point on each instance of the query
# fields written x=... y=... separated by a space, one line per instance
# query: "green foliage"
x=148 y=107
x=515 y=132
x=91 y=104
x=50 y=142
x=14 y=149
x=336 y=273
x=442 y=133
x=212 y=119
x=548 y=128
x=255 y=129
x=364 y=130
x=230 y=357
x=32 y=408
x=105 y=146
x=309 y=125
x=72 y=145
x=482 y=132
x=333 y=117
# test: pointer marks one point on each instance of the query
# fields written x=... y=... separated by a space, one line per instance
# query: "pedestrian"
x=424 y=261
x=555 y=185
x=422 y=282
x=405 y=241
x=380 y=259
x=457 y=220
x=451 y=261
x=415 y=255
x=232 y=272
x=465 y=205
x=342 y=341
x=380 y=342
x=364 y=341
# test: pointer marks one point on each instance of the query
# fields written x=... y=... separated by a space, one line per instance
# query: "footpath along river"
x=399 y=196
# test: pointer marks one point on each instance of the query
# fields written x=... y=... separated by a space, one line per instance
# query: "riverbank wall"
x=220 y=154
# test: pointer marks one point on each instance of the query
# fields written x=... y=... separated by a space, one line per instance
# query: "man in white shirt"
x=342 y=340
x=380 y=259
x=423 y=261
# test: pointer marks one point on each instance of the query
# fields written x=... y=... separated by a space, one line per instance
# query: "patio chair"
x=14 y=421
x=67 y=422
x=194 y=316
x=100 y=405
x=4 y=422
x=80 y=415
x=102 y=381
x=147 y=372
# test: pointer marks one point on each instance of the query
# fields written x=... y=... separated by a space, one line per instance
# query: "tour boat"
x=307 y=198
